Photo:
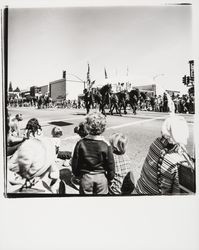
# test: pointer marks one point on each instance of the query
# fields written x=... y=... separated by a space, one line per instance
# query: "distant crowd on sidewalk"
x=158 y=103
x=183 y=104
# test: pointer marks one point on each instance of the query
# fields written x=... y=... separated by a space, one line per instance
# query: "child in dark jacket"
x=93 y=159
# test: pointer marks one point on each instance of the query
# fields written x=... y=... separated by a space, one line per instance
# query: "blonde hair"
x=118 y=142
x=95 y=123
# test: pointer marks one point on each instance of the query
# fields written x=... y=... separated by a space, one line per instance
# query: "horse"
x=46 y=101
x=98 y=96
x=134 y=95
x=102 y=96
x=119 y=100
x=88 y=99
x=114 y=103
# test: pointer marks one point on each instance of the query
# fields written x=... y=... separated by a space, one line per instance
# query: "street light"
x=157 y=76
x=78 y=78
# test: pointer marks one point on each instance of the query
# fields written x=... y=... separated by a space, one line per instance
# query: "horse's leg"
x=111 y=108
x=117 y=108
x=124 y=105
x=135 y=108
x=100 y=107
x=87 y=108
x=120 y=109
x=103 y=110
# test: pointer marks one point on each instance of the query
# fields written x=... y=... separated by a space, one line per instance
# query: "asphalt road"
x=141 y=129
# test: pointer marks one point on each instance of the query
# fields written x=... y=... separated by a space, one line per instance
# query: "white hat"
x=34 y=158
x=175 y=129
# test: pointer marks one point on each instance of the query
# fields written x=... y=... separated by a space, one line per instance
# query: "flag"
x=105 y=73
x=88 y=74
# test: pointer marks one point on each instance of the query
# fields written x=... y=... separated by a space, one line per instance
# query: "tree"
x=10 y=87
x=17 y=89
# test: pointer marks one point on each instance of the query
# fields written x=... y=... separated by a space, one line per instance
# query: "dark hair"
x=33 y=126
x=19 y=117
x=81 y=130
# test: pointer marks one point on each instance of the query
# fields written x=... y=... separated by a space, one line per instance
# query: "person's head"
x=175 y=129
x=19 y=117
x=33 y=126
x=95 y=123
x=32 y=159
x=81 y=130
x=118 y=142
x=57 y=132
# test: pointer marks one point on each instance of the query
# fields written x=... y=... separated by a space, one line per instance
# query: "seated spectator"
x=56 y=134
x=14 y=125
x=33 y=129
x=92 y=161
x=32 y=168
x=13 y=142
x=81 y=130
x=159 y=173
x=122 y=166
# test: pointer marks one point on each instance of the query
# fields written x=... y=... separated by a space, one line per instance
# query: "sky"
x=153 y=42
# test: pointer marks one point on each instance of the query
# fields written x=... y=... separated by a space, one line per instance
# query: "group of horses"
x=44 y=101
x=104 y=98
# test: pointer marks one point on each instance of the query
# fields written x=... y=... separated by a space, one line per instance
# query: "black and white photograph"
x=99 y=113
x=99 y=101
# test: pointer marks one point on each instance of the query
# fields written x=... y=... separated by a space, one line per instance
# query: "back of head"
x=32 y=158
x=118 y=142
x=95 y=123
x=175 y=129
x=33 y=126
x=19 y=117
x=81 y=130
x=57 y=132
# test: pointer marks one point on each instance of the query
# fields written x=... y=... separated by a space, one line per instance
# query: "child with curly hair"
x=92 y=160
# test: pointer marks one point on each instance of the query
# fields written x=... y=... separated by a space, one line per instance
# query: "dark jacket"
x=93 y=155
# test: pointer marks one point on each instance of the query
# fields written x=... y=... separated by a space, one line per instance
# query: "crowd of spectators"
x=183 y=104
x=100 y=166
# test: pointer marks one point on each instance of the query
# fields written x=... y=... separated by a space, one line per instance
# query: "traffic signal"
x=188 y=79
x=184 y=80
x=64 y=74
